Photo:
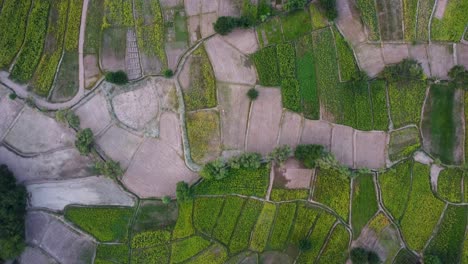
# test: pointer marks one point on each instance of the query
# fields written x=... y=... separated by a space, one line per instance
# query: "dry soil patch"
x=35 y=132
x=435 y=171
x=441 y=59
x=91 y=70
x=291 y=129
x=394 y=53
x=440 y=9
x=245 y=40
x=317 y=132
x=193 y=25
x=170 y=3
x=55 y=195
x=419 y=53
x=174 y=53
x=206 y=24
x=113 y=49
x=193 y=7
x=370 y=149
x=462 y=54
x=422 y=158
x=342 y=144
x=209 y=6
x=229 y=8
x=370 y=58
x=349 y=22
x=35 y=255
x=9 y=110
x=94 y=113
x=265 y=118
x=170 y=132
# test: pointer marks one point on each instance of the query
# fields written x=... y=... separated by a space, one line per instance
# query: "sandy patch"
x=170 y=132
x=156 y=169
x=193 y=7
x=170 y=3
x=35 y=255
x=234 y=111
x=435 y=171
x=62 y=164
x=209 y=6
x=317 y=132
x=265 y=118
x=35 y=132
x=349 y=22
x=94 y=114
x=291 y=129
x=342 y=144
x=87 y=191
x=245 y=40
x=9 y=110
x=113 y=49
x=419 y=53
x=370 y=58
x=229 y=8
x=441 y=59
x=370 y=149
x=119 y=144
x=394 y=53
x=206 y=23
x=173 y=54
x=184 y=76
x=229 y=65
x=193 y=25
x=151 y=64
x=58 y=239
x=422 y=158
x=91 y=70
x=440 y=9
x=462 y=54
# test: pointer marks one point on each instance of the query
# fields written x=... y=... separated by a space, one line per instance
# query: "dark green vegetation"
x=453 y=23
x=362 y=255
x=112 y=253
x=12 y=211
x=267 y=67
x=118 y=77
x=305 y=70
x=403 y=143
x=364 y=203
x=109 y=168
x=225 y=25
x=449 y=185
x=396 y=185
x=252 y=94
x=66 y=83
x=84 y=141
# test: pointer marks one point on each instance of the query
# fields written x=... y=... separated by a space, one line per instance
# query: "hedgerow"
x=318 y=19
x=396 y=185
x=216 y=254
x=318 y=237
x=250 y=182
x=406 y=100
x=336 y=249
x=305 y=69
x=378 y=91
x=266 y=64
x=282 y=226
x=12 y=28
x=106 y=224
x=332 y=189
x=261 y=232
x=73 y=25
x=45 y=71
x=423 y=211
x=403 y=143
x=288 y=194
x=348 y=66
x=296 y=24
x=449 y=185
x=290 y=94
x=241 y=236
x=158 y=254
x=305 y=217
x=29 y=56
x=364 y=204
x=369 y=16
x=424 y=14
x=286 y=63
x=187 y=248
x=184 y=227
x=205 y=213
x=202 y=91
x=117 y=13
x=409 y=18
x=150 y=239
x=228 y=218
x=202 y=128
x=449 y=238
x=118 y=253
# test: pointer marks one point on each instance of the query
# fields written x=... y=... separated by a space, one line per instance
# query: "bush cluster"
x=183 y=192
x=84 y=141
x=118 y=77
x=252 y=94
x=309 y=154
x=408 y=69
x=330 y=8
x=361 y=255
x=280 y=154
x=109 y=168
x=295 y=4
x=459 y=76
x=219 y=168
x=225 y=24
x=68 y=116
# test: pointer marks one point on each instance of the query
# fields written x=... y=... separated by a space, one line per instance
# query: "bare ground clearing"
x=193 y=7
x=440 y=9
x=386 y=243
x=92 y=73
x=234 y=108
x=370 y=58
x=171 y=3
x=35 y=132
x=245 y=40
x=265 y=118
x=419 y=53
x=174 y=53
x=56 y=195
x=292 y=175
x=370 y=149
x=441 y=59
x=349 y=22
x=9 y=110
x=435 y=171
x=156 y=169
x=209 y=6
x=291 y=129
x=394 y=53
x=342 y=144
x=229 y=8
x=317 y=132
x=94 y=113
x=462 y=54
x=35 y=255
x=193 y=25
x=119 y=144
x=58 y=239
x=423 y=158
x=170 y=131
x=206 y=23
x=62 y=164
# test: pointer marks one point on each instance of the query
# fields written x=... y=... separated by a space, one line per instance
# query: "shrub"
x=358 y=255
x=459 y=76
x=225 y=24
x=68 y=116
x=168 y=73
x=84 y=141
x=431 y=259
x=166 y=199
x=12 y=96
x=12 y=210
x=309 y=154
x=109 y=168
x=280 y=154
x=295 y=4
x=252 y=94
x=118 y=77
x=246 y=161
x=408 y=69
x=183 y=192
x=216 y=169
x=330 y=8
x=305 y=244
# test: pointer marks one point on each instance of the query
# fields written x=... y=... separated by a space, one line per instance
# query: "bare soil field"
x=9 y=110
x=389 y=13
x=62 y=164
x=370 y=58
x=292 y=175
x=92 y=73
x=151 y=64
x=422 y=158
x=244 y=40
x=229 y=64
x=265 y=118
x=35 y=255
x=113 y=49
x=440 y=8
x=170 y=131
x=342 y=144
x=317 y=132
x=193 y=7
x=386 y=243
x=394 y=53
x=94 y=113
x=156 y=169
x=435 y=171
x=56 y=195
x=119 y=144
x=370 y=149
x=349 y=22
x=173 y=54
x=171 y=3
x=419 y=53
x=291 y=129
x=234 y=108
x=35 y=132
x=209 y=6
x=58 y=239
x=462 y=54
x=206 y=23
x=441 y=59
x=184 y=76
x=229 y=8
x=193 y=25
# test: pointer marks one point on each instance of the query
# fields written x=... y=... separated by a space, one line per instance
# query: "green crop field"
x=202 y=127
x=228 y=218
x=282 y=226
x=409 y=18
x=335 y=249
x=271 y=32
x=184 y=226
x=453 y=23
x=396 y=185
x=305 y=70
x=348 y=66
x=261 y=231
x=296 y=24
x=114 y=253
x=203 y=207
x=305 y=217
x=406 y=100
x=241 y=237
x=187 y=248
x=378 y=91
x=266 y=63
x=333 y=190
x=424 y=13
x=369 y=16
x=364 y=203
x=449 y=185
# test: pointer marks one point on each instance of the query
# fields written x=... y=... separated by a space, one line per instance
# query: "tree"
x=459 y=76
x=12 y=214
x=309 y=154
x=330 y=8
x=407 y=69
x=431 y=259
x=12 y=96
x=118 y=77
x=166 y=199
x=295 y=4
x=109 y=168
x=280 y=154
x=68 y=116
x=183 y=192
x=305 y=244
x=224 y=25
x=168 y=73
x=246 y=161
x=216 y=169
x=84 y=141
x=252 y=94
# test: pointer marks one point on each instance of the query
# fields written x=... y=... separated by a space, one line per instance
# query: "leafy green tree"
x=330 y=8
x=84 y=141
x=252 y=94
x=216 y=169
x=109 y=168
x=168 y=73
x=118 y=77
x=12 y=215
x=224 y=25
x=246 y=160
x=358 y=255
x=407 y=69
x=431 y=259
x=373 y=258
x=68 y=116
x=166 y=199
x=280 y=154
x=295 y=4
x=459 y=76
x=309 y=154
x=12 y=96
x=305 y=244
x=183 y=192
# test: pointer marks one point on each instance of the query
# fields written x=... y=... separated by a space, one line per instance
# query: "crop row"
x=30 y=54
x=73 y=26
x=409 y=18
x=449 y=185
x=286 y=62
x=241 y=236
x=348 y=66
x=335 y=251
x=424 y=14
x=261 y=232
x=266 y=64
x=305 y=218
x=202 y=128
x=364 y=204
x=205 y=213
x=117 y=13
x=283 y=223
x=112 y=253
x=93 y=31
x=305 y=69
x=406 y=100
x=150 y=239
x=369 y=15
x=289 y=194
x=187 y=248
x=184 y=227
x=378 y=91
x=396 y=185
x=333 y=189
x=228 y=218
x=290 y=94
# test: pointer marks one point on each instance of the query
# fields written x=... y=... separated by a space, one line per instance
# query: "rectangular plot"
x=406 y=100
x=362 y=104
x=228 y=218
x=184 y=227
x=424 y=14
x=283 y=223
x=305 y=72
x=305 y=218
x=409 y=18
x=335 y=251
x=261 y=232
x=390 y=19
x=378 y=91
x=369 y=15
x=205 y=213
x=296 y=24
x=241 y=236
x=346 y=60
x=266 y=63
x=318 y=237
x=364 y=203
x=333 y=189
x=449 y=185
